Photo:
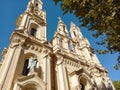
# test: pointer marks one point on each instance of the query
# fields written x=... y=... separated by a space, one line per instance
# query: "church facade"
x=31 y=62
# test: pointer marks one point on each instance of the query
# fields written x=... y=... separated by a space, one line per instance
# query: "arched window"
x=74 y=33
x=36 y=4
x=33 y=32
x=82 y=86
x=34 y=29
x=70 y=46
x=60 y=42
x=83 y=83
x=63 y=27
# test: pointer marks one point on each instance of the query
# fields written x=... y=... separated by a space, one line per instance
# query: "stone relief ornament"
x=17 y=41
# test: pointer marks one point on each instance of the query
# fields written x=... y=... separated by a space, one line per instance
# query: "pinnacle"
x=60 y=20
x=72 y=24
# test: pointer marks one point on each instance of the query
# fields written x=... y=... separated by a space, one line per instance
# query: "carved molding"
x=39 y=20
x=72 y=63
x=17 y=40
x=34 y=47
x=60 y=60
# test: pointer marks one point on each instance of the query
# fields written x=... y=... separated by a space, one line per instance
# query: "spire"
x=72 y=24
x=61 y=28
x=75 y=31
x=34 y=1
x=34 y=5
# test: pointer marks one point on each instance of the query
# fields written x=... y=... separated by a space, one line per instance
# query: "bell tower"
x=26 y=62
x=31 y=62
x=33 y=21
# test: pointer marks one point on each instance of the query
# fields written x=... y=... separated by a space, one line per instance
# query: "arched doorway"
x=31 y=82
x=83 y=83
x=31 y=86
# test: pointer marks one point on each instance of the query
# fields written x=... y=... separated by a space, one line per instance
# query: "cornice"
x=29 y=42
x=37 y=18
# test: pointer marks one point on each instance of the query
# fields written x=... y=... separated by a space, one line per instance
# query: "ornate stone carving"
x=17 y=40
x=60 y=60
x=34 y=47
x=65 y=63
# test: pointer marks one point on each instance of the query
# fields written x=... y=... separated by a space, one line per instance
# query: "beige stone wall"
x=0 y=64
x=66 y=63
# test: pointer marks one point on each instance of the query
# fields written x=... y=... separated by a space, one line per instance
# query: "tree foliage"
x=116 y=85
x=101 y=16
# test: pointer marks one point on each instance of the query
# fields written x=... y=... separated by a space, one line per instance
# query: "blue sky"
x=11 y=9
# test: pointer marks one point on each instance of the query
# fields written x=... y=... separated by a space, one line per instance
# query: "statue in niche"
x=108 y=84
x=97 y=80
x=32 y=64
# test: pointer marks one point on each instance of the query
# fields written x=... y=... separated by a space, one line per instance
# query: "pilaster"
x=22 y=21
x=62 y=75
x=9 y=71
x=86 y=53
x=47 y=69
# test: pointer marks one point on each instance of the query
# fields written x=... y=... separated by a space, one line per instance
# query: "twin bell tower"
x=67 y=62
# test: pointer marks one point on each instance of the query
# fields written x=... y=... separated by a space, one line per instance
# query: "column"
x=61 y=76
x=44 y=69
x=44 y=33
x=74 y=81
x=22 y=21
x=10 y=69
x=65 y=43
x=86 y=53
x=47 y=71
x=6 y=64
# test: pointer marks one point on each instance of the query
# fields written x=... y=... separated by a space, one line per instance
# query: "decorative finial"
x=33 y=1
x=60 y=20
x=72 y=24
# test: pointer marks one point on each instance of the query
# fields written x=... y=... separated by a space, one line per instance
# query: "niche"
x=29 y=64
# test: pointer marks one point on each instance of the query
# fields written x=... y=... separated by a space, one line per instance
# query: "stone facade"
x=31 y=62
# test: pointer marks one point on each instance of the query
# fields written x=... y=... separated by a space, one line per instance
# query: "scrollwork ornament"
x=17 y=41
x=60 y=60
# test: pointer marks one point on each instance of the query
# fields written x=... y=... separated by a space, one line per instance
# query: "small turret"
x=61 y=28
x=30 y=62
x=34 y=5
x=61 y=36
x=75 y=31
